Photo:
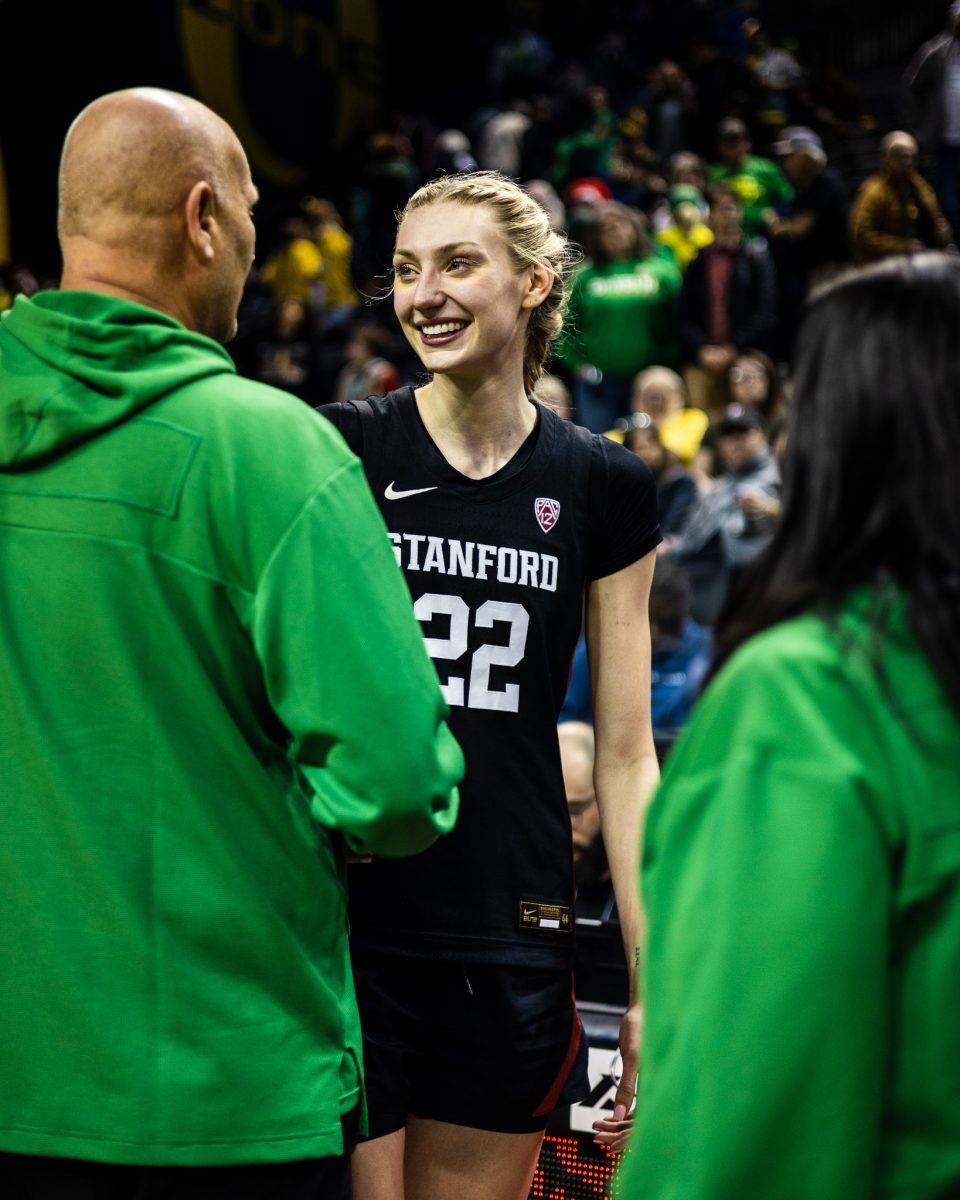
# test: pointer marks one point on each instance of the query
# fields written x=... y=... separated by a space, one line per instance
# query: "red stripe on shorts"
x=549 y=1102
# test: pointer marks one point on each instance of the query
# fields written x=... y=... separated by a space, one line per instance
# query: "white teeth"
x=437 y=330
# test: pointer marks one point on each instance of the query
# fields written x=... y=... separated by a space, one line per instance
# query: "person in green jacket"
x=802 y=864
x=761 y=185
x=622 y=317
x=212 y=687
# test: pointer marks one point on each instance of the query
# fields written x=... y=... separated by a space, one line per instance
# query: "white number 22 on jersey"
x=479 y=692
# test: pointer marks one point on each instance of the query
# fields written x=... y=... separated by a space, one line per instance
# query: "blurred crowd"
x=707 y=206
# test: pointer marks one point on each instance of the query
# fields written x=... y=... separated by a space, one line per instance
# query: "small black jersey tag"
x=558 y=918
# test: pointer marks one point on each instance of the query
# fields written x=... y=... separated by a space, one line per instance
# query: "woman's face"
x=691 y=174
x=617 y=236
x=748 y=382
x=462 y=304
x=725 y=218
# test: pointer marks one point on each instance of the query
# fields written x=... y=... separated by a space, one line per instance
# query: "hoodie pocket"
x=143 y=464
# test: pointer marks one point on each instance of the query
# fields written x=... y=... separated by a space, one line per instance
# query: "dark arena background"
x=351 y=103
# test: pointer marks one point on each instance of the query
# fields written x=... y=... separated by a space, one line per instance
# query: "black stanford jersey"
x=497 y=569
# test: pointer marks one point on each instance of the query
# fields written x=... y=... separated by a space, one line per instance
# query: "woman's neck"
x=478 y=427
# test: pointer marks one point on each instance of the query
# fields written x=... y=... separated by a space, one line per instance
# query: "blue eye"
x=459 y=262
x=403 y=271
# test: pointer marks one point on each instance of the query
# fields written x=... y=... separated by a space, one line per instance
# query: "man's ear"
x=539 y=282
x=200 y=220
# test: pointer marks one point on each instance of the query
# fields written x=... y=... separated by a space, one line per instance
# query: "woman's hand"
x=614 y=1131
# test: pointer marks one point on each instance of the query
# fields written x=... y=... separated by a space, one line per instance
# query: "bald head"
x=899 y=139
x=576 y=759
x=133 y=156
x=899 y=150
x=576 y=756
x=659 y=392
x=155 y=193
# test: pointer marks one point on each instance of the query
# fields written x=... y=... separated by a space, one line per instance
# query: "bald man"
x=156 y=205
x=896 y=210
x=577 y=752
x=201 y=621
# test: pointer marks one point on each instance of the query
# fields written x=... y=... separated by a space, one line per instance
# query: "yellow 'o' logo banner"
x=291 y=76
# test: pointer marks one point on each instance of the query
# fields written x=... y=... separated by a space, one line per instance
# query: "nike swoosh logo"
x=391 y=492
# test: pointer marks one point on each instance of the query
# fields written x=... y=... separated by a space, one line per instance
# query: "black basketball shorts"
x=490 y=1047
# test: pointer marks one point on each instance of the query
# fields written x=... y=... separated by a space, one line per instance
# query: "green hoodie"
x=211 y=678
x=622 y=316
x=802 y=883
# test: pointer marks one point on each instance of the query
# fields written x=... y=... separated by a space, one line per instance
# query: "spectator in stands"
x=554 y=393
x=759 y=183
x=810 y=240
x=933 y=78
x=285 y=360
x=634 y=168
x=585 y=199
x=501 y=144
x=293 y=271
x=677 y=492
x=733 y=522
x=389 y=178
x=452 y=153
x=520 y=61
x=367 y=372
x=660 y=394
x=670 y=104
x=587 y=149
x=688 y=170
x=723 y=82
x=728 y=302
x=622 y=317
x=538 y=141
x=577 y=752
x=16 y=281
x=778 y=74
x=546 y=196
x=815 y=224
x=681 y=649
x=687 y=233
x=896 y=210
x=753 y=381
x=339 y=299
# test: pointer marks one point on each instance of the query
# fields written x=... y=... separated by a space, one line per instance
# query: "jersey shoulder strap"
x=370 y=421
x=587 y=457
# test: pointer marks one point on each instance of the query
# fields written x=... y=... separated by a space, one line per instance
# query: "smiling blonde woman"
x=503 y=517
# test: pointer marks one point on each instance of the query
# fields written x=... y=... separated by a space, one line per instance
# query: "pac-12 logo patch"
x=547 y=512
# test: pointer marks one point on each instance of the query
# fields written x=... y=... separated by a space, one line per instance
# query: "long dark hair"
x=872 y=466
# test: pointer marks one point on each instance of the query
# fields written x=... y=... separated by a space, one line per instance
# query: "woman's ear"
x=540 y=279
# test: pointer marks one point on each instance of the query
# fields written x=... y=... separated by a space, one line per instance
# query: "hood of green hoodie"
x=74 y=364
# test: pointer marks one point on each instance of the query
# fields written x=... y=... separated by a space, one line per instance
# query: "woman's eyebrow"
x=401 y=253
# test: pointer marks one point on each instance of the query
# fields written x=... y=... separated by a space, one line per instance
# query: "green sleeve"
x=767 y=884
x=347 y=673
x=780 y=187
